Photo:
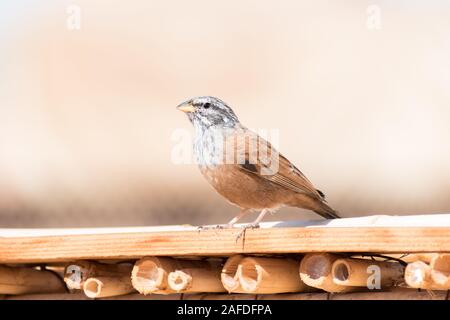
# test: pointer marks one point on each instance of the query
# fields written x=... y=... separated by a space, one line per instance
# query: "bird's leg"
x=229 y=225
x=253 y=225
x=237 y=218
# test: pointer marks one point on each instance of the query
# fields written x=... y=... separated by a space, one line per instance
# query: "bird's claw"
x=216 y=227
x=244 y=229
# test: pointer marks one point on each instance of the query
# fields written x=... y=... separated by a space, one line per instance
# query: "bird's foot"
x=244 y=229
x=216 y=227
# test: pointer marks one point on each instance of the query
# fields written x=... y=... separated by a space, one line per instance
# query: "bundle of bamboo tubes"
x=240 y=274
x=257 y=275
x=336 y=273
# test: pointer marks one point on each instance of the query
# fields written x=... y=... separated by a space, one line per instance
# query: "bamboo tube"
x=418 y=275
x=440 y=270
x=101 y=287
x=150 y=274
x=191 y=280
x=360 y=272
x=425 y=257
x=76 y=273
x=270 y=275
x=23 y=280
x=230 y=276
x=315 y=271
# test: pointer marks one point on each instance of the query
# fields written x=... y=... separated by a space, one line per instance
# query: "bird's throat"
x=209 y=145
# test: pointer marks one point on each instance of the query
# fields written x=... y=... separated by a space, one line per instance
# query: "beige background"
x=87 y=116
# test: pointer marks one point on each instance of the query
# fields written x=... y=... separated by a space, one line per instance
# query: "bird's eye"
x=207 y=105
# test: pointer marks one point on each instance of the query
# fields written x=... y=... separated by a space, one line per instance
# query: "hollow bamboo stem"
x=29 y=280
x=230 y=274
x=440 y=270
x=101 y=287
x=150 y=274
x=315 y=271
x=366 y=273
x=76 y=273
x=425 y=257
x=418 y=275
x=194 y=280
x=270 y=275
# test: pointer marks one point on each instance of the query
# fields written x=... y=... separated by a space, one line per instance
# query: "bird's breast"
x=241 y=188
x=209 y=147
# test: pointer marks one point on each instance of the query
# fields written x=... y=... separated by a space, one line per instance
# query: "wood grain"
x=36 y=249
x=424 y=220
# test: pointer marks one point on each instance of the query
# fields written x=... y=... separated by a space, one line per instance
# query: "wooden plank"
x=35 y=249
x=429 y=220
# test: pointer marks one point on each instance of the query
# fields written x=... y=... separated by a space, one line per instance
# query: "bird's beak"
x=186 y=107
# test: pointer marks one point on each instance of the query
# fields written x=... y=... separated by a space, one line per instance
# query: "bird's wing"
x=267 y=163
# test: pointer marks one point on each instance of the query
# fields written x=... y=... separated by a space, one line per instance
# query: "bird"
x=244 y=168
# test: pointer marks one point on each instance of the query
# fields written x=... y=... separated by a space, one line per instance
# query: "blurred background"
x=359 y=91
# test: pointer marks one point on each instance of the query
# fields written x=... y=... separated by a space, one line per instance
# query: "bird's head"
x=209 y=112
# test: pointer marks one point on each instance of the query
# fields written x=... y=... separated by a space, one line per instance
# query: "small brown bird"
x=243 y=167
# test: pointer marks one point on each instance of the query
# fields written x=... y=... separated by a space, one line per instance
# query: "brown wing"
x=267 y=163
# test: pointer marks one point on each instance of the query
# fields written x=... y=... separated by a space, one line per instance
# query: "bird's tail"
x=314 y=203
x=325 y=210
